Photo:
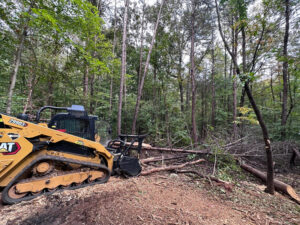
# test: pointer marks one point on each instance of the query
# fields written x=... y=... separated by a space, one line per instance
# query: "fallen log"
x=279 y=186
x=178 y=150
x=149 y=147
x=168 y=168
x=156 y=159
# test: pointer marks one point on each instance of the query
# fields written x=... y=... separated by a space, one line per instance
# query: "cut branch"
x=168 y=168
x=156 y=159
x=179 y=150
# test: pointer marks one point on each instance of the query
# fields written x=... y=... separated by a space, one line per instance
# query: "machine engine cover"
x=130 y=166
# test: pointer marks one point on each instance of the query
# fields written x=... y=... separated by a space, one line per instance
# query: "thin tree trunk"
x=213 y=104
x=271 y=84
x=270 y=170
x=15 y=70
x=141 y=47
x=291 y=97
x=123 y=70
x=187 y=93
x=50 y=92
x=140 y=89
x=242 y=100
x=179 y=78
x=31 y=83
x=113 y=51
x=92 y=102
x=203 y=108
x=234 y=50
x=285 y=68
x=86 y=84
x=193 y=82
x=225 y=76
x=30 y=90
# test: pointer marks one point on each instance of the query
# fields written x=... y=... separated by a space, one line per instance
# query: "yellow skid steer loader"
x=41 y=158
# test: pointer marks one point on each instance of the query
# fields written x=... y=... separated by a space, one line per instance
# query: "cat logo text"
x=9 y=148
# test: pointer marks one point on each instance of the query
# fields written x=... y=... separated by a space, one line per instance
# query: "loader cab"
x=76 y=121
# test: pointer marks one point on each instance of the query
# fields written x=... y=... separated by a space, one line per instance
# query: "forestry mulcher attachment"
x=40 y=158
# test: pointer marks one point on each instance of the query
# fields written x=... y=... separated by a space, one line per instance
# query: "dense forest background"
x=161 y=68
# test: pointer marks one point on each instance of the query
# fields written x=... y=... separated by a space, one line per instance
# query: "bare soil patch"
x=156 y=199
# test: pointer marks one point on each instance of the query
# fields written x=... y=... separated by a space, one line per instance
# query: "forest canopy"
x=64 y=52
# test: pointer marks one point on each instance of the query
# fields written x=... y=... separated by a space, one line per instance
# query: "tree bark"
x=285 y=68
x=140 y=89
x=123 y=70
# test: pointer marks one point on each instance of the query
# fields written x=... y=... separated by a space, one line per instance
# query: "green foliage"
x=67 y=39
x=246 y=115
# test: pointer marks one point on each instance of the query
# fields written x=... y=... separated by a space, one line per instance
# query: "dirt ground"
x=162 y=198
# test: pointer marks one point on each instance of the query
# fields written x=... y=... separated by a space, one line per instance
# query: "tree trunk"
x=141 y=47
x=15 y=70
x=270 y=170
x=203 y=108
x=193 y=82
x=179 y=78
x=113 y=51
x=224 y=97
x=30 y=90
x=213 y=104
x=86 y=84
x=285 y=68
x=271 y=84
x=234 y=91
x=123 y=70
x=31 y=82
x=140 y=89
x=92 y=102
x=49 y=98
x=245 y=69
x=187 y=93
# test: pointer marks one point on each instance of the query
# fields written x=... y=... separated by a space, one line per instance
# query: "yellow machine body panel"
x=17 y=151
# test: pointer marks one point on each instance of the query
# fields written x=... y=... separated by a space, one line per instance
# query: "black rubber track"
x=7 y=200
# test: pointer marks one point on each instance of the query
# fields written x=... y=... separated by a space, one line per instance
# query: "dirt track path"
x=135 y=201
x=142 y=200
